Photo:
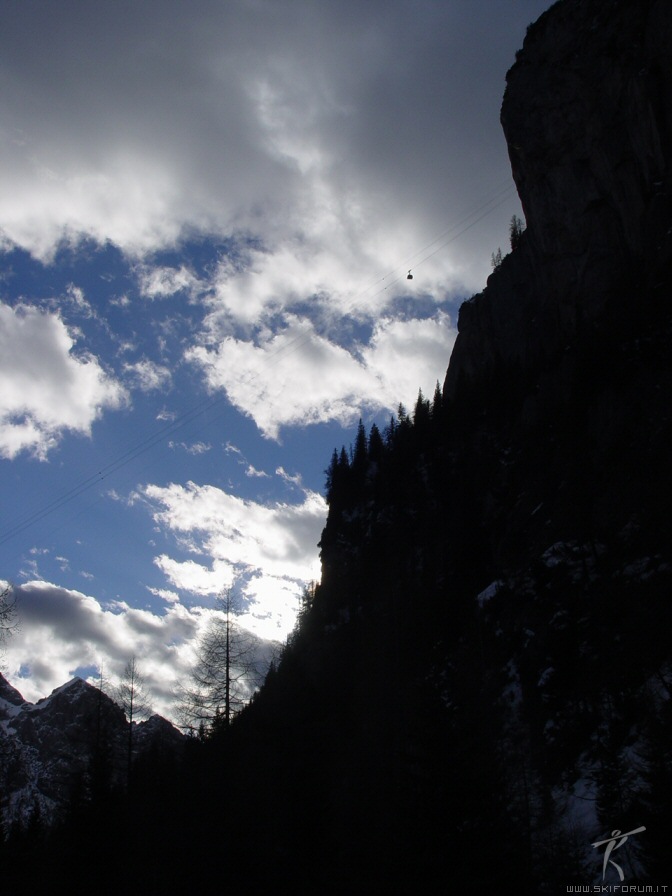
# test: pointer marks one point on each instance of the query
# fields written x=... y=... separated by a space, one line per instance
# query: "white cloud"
x=161 y=282
x=148 y=376
x=45 y=388
x=296 y=376
x=194 y=448
x=262 y=544
x=405 y=355
x=333 y=273
x=171 y=597
x=252 y=473
x=342 y=139
x=279 y=537
x=195 y=578
x=291 y=480
x=74 y=295
x=61 y=630
x=272 y=606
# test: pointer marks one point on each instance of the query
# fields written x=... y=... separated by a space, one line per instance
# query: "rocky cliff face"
x=587 y=116
x=508 y=547
x=59 y=750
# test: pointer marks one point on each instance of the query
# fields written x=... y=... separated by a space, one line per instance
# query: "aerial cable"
x=505 y=190
x=102 y=473
x=495 y=200
x=488 y=211
x=500 y=195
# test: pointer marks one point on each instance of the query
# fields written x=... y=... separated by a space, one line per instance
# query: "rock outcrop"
x=587 y=115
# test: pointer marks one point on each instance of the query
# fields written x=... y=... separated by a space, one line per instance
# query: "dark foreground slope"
x=481 y=686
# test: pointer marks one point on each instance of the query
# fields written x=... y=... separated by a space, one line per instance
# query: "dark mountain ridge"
x=65 y=748
x=480 y=688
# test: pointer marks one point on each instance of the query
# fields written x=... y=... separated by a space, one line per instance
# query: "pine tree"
x=516 y=230
x=422 y=418
x=360 y=454
x=332 y=477
x=376 y=446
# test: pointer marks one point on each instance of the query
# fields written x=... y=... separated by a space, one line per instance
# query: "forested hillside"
x=480 y=687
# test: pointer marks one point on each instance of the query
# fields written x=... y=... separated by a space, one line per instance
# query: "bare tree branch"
x=131 y=694
x=227 y=671
x=8 y=621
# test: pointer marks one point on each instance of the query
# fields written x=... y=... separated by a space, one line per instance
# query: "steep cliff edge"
x=567 y=348
x=497 y=568
x=587 y=115
x=485 y=669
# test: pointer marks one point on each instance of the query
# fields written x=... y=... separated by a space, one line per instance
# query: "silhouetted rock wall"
x=587 y=116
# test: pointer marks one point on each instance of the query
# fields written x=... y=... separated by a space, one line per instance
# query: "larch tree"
x=7 y=615
x=226 y=673
x=132 y=696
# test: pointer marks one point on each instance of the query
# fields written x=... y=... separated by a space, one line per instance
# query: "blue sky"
x=207 y=214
